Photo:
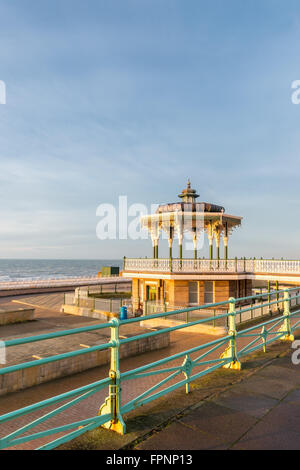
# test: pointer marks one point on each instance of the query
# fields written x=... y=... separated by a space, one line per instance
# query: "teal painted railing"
x=192 y=364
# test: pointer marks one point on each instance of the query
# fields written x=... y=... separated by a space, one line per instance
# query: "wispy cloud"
x=109 y=98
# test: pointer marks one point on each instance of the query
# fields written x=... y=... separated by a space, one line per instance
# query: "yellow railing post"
x=231 y=350
x=286 y=325
x=112 y=403
x=264 y=334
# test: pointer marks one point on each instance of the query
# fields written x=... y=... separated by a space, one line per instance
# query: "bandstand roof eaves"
x=165 y=216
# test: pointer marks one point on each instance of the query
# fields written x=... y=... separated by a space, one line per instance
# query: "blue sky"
x=132 y=97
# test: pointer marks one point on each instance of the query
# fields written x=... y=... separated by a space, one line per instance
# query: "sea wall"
x=41 y=287
x=34 y=290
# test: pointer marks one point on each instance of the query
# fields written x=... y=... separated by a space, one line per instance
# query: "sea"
x=35 y=269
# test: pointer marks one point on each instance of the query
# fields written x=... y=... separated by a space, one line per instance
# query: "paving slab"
x=273 y=441
x=177 y=436
x=281 y=372
x=224 y=423
x=256 y=405
x=287 y=363
x=293 y=397
x=271 y=387
x=280 y=429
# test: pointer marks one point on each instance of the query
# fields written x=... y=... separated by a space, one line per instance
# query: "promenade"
x=232 y=401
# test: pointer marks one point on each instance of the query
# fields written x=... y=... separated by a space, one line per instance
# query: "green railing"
x=202 y=359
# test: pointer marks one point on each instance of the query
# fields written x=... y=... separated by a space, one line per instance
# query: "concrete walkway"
x=262 y=412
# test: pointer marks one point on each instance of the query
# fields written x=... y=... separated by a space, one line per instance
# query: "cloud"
x=135 y=97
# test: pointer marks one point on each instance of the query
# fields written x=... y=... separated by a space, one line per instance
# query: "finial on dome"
x=188 y=194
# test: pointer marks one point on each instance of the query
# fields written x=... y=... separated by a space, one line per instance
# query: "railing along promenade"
x=173 y=372
x=59 y=282
x=236 y=265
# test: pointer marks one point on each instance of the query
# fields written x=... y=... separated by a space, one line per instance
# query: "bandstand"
x=180 y=282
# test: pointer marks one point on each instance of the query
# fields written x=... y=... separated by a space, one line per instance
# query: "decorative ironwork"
x=112 y=411
x=217 y=266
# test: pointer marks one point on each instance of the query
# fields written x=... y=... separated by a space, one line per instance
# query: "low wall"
x=203 y=328
x=36 y=375
x=87 y=312
x=18 y=315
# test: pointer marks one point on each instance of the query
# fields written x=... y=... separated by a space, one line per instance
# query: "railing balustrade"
x=186 y=265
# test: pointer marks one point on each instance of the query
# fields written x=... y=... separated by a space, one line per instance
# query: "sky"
x=133 y=97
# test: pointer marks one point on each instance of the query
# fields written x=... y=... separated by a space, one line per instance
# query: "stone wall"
x=17 y=315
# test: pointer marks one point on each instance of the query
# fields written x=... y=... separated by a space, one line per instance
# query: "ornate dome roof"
x=189 y=203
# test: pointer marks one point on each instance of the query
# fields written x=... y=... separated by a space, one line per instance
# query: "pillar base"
x=117 y=424
x=287 y=338
x=229 y=353
x=233 y=365
x=118 y=427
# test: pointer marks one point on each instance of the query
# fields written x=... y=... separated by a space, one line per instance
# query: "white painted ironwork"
x=219 y=266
